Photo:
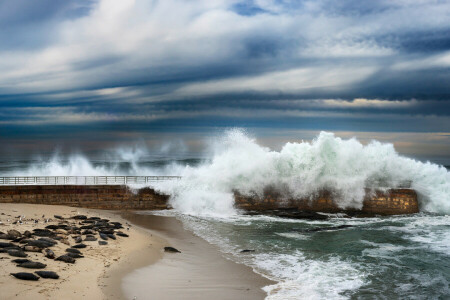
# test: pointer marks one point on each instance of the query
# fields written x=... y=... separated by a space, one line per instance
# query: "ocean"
x=395 y=257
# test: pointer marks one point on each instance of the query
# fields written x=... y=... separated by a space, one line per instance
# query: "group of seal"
x=40 y=240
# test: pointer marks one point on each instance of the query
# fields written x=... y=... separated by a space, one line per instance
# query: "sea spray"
x=300 y=169
x=345 y=167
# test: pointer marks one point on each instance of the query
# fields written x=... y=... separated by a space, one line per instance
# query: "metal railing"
x=83 y=180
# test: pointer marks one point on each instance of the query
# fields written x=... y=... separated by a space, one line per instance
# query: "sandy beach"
x=199 y=272
x=127 y=268
x=81 y=279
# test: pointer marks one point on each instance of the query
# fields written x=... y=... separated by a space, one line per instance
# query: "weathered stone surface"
x=390 y=202
x=89 y=196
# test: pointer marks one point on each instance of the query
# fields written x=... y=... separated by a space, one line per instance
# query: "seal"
x=72 y=250
x=48 y=253
x=102 y=243
x=67 y=259
x=25 y=276
x=78 y=246
x=90 y=238
x=47 y=274
x=20 y=260
x=120 y=233
x=74 y=255
x=32 y=265
x=17 y=253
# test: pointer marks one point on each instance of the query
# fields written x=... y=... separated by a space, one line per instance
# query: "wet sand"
x=198 y=272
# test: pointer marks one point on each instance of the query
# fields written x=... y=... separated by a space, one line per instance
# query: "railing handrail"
x=83 y=180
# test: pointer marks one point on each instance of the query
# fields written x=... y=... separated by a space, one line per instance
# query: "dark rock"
x=171 y=250
x=25 y=276
x=72 y=250
x=48 y=253
x=79 y=246
x=247 y=251
x=66 y=258
x=102 y=243
x=32 y=265
x=17 y=253
x=47 y=274
x=318 y=229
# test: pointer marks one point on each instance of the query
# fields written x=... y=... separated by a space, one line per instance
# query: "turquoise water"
x=376 y=258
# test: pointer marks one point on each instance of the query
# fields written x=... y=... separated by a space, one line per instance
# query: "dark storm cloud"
x=153 y=66
x=29 y=24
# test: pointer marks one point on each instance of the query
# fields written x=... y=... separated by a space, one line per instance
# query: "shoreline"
x=200 y=271
x=79 y=280
x=129 y=266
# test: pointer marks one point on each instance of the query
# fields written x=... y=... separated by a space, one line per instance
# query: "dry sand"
x=80 y=280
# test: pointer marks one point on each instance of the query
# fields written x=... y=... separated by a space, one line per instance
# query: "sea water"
x=381 y=257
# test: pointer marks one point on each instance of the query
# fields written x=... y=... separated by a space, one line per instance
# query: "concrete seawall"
x=390 y=202
x=88 y=196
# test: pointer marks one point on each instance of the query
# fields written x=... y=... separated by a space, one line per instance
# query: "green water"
x=376 y=258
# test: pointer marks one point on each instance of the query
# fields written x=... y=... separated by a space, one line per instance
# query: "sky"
x=92 y=74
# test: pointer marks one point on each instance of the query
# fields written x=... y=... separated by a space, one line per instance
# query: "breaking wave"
x=300 y=169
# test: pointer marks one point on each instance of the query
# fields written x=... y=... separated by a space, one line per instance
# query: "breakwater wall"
x=388 y=202
x=115 y=197
x=121 y=197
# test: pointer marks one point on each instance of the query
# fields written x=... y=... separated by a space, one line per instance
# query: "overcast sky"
x=89 y=74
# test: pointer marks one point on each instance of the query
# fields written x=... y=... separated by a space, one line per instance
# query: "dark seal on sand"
x=66 y=258
x=17 y=253
x=20 y=260
x=25 y=276
x=72 y=250
x=32 y=265
x=74 y=255
x=171 y=250
x=47 y=274
x=49 y=253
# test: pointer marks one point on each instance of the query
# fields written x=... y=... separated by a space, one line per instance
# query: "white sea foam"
x=309 y=279
x=346 y=167
x=301 y=169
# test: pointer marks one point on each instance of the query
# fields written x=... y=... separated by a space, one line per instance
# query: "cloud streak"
x=148 y=65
